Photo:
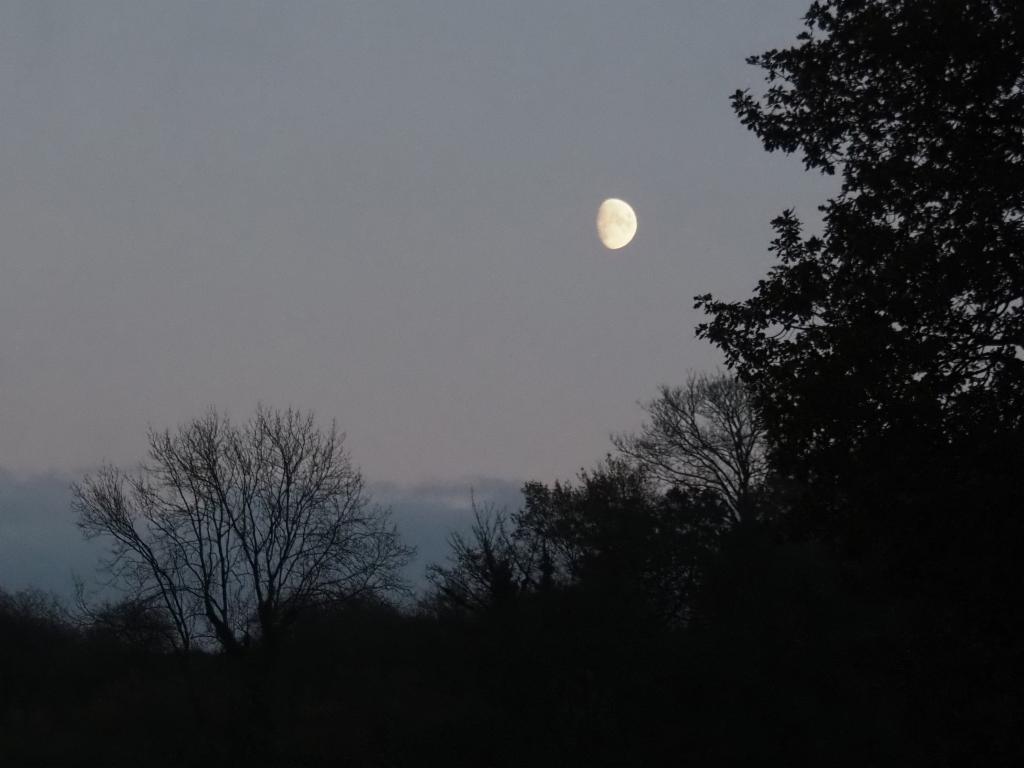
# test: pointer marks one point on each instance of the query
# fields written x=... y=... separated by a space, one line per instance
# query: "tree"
x=903 y=322
x=138 y=625
x=619 y=537
x=486 y=569
x=886 y=354
x=233 y=530
x=704 y=436
x=613 y=535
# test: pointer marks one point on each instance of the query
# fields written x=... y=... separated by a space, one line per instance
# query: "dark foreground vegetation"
x=811 y=560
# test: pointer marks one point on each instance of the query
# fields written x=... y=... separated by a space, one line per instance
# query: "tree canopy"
x=904 y=315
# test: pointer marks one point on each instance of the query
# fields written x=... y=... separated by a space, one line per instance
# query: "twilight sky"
x=383 y=211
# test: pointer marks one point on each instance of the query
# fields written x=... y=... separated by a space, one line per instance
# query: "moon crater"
x=616 y=223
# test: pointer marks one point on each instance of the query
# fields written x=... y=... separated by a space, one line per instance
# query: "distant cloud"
x=426 y=513
x=453 y=494
x=41 y=547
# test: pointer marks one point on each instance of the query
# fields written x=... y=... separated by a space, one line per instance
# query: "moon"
x=616 y=223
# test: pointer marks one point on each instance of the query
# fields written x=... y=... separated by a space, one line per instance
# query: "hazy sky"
x=382 y=211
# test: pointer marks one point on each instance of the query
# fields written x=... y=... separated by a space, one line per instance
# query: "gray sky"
x=383 y=211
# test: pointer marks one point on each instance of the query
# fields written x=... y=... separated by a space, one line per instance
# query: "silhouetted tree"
x=904 y=317
x=486 y=569
x=139 y=625
x=704 y=436
x=33 y=633
x=886 y=354
x=616 y=534
x=233 y=530
x=613 y=534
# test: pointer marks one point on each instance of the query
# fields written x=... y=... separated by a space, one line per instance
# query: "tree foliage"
x=612 y=533
x=616 y=533
x=904 y=316
x=886 y=353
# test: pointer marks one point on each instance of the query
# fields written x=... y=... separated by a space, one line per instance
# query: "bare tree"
x=233 y=530
x=706 y=436
x=487 y=568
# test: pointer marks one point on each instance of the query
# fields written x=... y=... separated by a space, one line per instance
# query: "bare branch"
x=235 y=529
x=706 y=436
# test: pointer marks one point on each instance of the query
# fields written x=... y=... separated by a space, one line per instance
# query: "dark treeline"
x=811 y=559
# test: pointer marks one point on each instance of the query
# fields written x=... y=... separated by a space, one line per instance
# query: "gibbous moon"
x=616 y=223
